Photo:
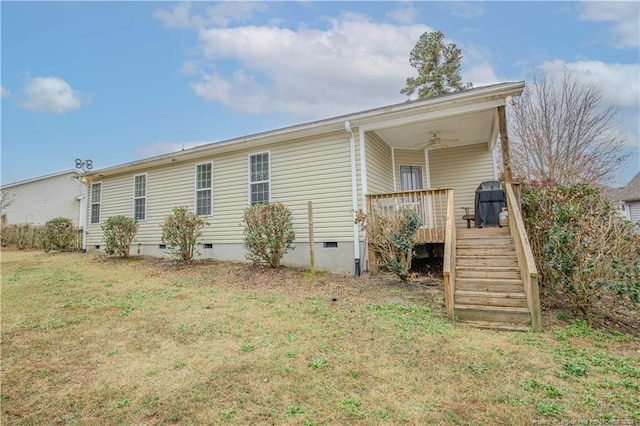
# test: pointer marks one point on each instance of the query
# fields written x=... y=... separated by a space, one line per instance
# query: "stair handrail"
x=526 y=261
x=449 y=260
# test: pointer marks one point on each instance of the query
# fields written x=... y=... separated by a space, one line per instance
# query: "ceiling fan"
x=437 y=142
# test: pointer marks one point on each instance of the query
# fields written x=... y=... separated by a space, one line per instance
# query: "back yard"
x=89 y=340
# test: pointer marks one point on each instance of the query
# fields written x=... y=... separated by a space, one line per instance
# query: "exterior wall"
x=406 y=157
x=379 y=165
x=463 y=169
x=313 y=169
x=41 y=200
x=633 y=211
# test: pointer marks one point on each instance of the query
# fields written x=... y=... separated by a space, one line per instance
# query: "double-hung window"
x=96 y=194
x=259 y=178
x=204 y=189
x=140 y=197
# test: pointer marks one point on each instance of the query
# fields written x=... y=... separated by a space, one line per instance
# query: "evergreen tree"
x=438 y=65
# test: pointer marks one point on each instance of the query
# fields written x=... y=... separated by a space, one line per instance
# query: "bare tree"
x=6 y=199
x=561 y=133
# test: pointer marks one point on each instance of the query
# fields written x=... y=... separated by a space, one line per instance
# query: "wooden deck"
x=429 y=204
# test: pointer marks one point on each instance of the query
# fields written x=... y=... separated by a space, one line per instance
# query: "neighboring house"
x=43 y=198
x=628 y=198
x=429 y=155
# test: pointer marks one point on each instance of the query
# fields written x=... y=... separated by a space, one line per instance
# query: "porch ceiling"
x=468 y=128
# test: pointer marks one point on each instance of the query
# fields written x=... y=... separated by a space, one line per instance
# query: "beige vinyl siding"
x=379 y=165
x=316 y=169
x=462 y=169
x=406 y=157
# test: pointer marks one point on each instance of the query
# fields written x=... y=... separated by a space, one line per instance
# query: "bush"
x=583 y=247
x=268 y=233
x=392 y=237
x=180 y=232
x=59 y=234
x=23 y=236
x=119 y=232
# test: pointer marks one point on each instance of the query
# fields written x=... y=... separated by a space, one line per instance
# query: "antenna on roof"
x=84 y=165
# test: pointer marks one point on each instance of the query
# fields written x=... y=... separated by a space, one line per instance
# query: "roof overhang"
x=469 y=116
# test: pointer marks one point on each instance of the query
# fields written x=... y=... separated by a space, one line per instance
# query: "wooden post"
x=312 y=250
x=504 y=143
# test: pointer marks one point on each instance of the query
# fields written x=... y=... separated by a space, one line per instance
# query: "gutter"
x=354 y=197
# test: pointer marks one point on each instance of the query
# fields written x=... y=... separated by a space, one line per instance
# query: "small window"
x=411 y=178
x=140 y=197
x=162 y=246
x=330 y=244
x=96 y=247
x=259 y=191
x=207 y=245
x=204 y=185
x=96 y=195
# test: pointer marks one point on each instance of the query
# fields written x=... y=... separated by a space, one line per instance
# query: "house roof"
x=629 y=192
x=52 y=175
x=439 y=107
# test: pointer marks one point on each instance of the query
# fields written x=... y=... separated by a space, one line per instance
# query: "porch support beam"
x=504 y=142
x=393 y=164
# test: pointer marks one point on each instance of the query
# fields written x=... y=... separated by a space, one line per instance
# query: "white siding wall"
x=379 y=165
x=316 y=169
x=462 y=169
x=634 y=211
x=39 y=201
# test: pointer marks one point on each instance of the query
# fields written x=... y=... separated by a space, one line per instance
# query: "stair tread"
x=510 y=309
x=491 y=280
x=496 y=325
x=487 y=268
x=502 y=294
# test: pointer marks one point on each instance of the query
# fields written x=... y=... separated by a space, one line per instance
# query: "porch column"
x=504 y=142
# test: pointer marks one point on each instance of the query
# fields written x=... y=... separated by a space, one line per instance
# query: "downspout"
x=354 y=197
x=83 y=212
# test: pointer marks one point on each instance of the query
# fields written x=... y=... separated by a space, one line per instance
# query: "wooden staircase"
x=489 y=290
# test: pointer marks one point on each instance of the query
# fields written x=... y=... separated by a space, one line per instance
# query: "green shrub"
x=180 y=232
x=59 y=234
x=119 y=232
x=583 y=247
x=392 y=237
x=268 y=233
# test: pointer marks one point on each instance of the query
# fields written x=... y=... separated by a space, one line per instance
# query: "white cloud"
x=308 y=72
x=480 y=75
x=4 y=92
x=405 y=14
x=50 y=94
x=465 y=9
x=159 y=148
x=624 y=16
x=178 y=17
x=220 y=15
x=620 y=83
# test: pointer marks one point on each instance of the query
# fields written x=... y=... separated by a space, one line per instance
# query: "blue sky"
x=119 y=81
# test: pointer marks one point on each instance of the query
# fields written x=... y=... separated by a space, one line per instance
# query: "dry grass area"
x=89 y=340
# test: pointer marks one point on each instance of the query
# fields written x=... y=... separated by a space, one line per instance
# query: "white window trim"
x=261 y=181
x=195 y=186
x=93 y=202
x=411 y=165
x=146 y=180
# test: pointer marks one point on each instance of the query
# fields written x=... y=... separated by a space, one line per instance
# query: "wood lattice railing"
x=430 y=204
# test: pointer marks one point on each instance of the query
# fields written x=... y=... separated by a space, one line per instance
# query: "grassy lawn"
x=88 y=340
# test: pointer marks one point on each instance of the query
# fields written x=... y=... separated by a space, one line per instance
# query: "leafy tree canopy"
x=438 y=65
